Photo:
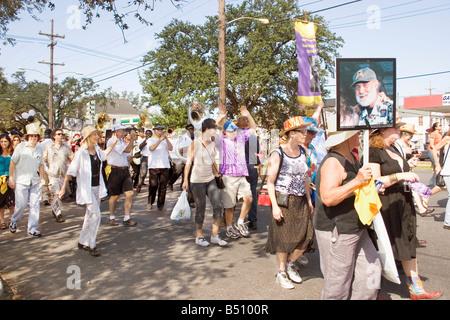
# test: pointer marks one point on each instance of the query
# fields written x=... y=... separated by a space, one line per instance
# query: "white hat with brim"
x=337 y=137
x=32 y=131
x=118 y=126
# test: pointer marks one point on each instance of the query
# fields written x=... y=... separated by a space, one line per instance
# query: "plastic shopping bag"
x=182 y=210
x=389 y=268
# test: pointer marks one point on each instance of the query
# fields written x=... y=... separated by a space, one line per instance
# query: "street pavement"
x=158 y=259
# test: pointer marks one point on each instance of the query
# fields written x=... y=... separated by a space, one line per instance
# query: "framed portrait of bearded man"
x=365 y=93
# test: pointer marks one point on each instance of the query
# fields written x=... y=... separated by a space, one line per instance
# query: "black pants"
x=158 y=179
x=178 y=170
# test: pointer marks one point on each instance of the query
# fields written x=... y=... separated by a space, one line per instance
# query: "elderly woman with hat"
x=398 y=212
x=86 y=166
x=346 y=250
x=290 y=228
x=26 y=177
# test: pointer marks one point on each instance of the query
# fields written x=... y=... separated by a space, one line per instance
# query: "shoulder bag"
x=217 y=175
x=440 y=179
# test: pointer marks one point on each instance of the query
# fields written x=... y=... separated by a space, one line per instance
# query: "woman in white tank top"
x=201 y=158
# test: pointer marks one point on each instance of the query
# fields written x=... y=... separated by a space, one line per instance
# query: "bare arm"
x=332 y=174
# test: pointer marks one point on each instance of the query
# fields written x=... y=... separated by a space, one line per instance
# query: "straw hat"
x=409 y=127
x=88 y=131
x=337 y=137
x=32 y=130
x=292 y=124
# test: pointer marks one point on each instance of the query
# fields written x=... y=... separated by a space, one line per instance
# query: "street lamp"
x=262 y=20
x=222 y=33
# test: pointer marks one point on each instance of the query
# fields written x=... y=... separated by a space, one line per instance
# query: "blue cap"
x=229 y=126
x=312 y=124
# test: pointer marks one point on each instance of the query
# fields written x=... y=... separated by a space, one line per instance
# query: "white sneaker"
x=218 y=240
x=232 y=233
x=201 y=242
x=303 y=260
x=292 y=273
x=242 y=228
x=284 y=281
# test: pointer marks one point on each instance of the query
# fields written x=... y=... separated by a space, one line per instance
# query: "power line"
x=119 y=74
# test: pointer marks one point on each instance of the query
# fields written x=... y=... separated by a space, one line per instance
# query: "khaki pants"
x=350 y=266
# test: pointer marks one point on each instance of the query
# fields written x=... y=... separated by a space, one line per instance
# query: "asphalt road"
x=158 y=260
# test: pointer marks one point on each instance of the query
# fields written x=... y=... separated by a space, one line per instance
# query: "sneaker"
x=284 y=281
x=35 y=234
x=292 y=273
x=218 y=240
x=232 y=233
x=201 y=242
x=242 y=228
x=162 y=209
x=303 y=260
x=12 y=227
x=149 y=206
x=129 y=222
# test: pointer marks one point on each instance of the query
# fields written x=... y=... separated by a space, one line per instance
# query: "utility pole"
x=51 y=63
x=430 y=88
x=222 y=79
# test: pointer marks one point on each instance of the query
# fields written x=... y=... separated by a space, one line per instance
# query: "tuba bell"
x=196 y=113
x=144 y=121
x=102 y=119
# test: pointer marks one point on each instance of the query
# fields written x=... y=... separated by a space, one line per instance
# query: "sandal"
x=82 y=246
x=3 y=226
x=94 y=252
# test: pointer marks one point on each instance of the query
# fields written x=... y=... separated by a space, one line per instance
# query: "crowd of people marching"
x=311 y=188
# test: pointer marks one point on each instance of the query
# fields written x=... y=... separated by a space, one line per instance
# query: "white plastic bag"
x=389 y=268
x=182 y=209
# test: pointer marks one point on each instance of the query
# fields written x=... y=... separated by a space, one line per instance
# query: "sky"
x=414 y=32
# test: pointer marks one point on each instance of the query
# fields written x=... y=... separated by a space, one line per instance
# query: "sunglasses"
x=300 y=130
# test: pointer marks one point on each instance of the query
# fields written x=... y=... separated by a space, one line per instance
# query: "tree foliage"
x=261 y=63
x=10 y=11
x=70 y=97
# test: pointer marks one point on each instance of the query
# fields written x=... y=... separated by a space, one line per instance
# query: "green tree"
x=261 y=63
x=70 y=98
x=10 y=11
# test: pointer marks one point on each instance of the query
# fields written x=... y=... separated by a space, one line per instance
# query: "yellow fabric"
x=367 y=202
x=3 y=184
x=306 y=29
x=309 y=101
x=107 y=171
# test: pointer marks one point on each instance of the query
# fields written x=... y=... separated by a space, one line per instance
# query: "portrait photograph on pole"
x=365 y=93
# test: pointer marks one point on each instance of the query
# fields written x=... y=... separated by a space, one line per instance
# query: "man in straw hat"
x=346 y=250
x=119 y=180
x=26 y=177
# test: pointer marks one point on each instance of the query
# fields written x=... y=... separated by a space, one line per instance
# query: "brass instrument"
x=102 y=119
x=144 y=120
x=170 y=130
x=196 y=114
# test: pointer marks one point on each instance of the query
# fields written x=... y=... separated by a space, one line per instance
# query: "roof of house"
x=121 y=106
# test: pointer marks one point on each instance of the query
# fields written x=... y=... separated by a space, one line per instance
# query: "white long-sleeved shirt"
x=80 y=167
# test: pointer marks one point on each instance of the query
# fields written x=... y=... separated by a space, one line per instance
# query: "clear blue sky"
x=415 y=32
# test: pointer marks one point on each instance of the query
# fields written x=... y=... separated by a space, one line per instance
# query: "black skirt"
x=295 y=231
